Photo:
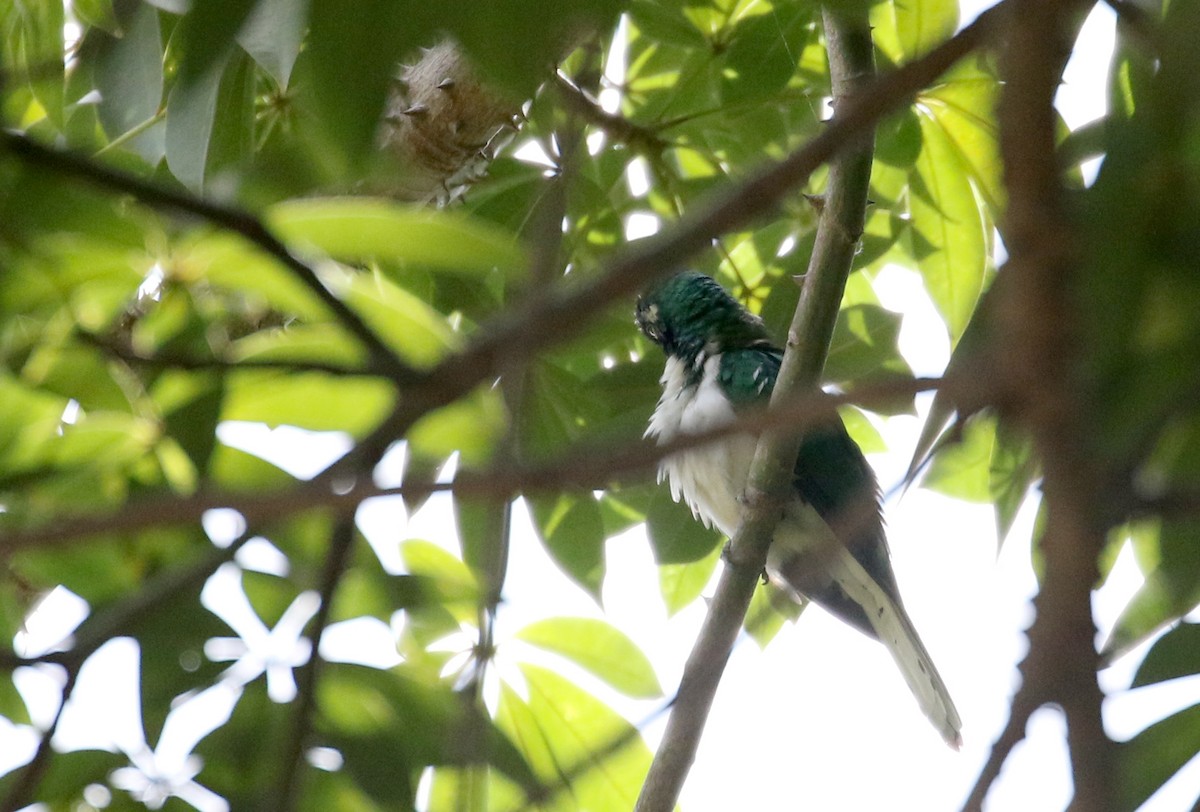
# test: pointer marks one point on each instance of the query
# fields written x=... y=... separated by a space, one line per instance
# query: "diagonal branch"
x=851 y=64
x=585 y=466
x=240 y=222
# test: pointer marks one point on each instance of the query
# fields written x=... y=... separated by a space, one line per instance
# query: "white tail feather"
x=804 y=533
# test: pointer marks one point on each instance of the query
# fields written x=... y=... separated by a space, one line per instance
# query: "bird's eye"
x=647 y=320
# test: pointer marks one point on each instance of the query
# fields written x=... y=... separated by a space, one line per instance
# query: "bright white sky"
x=821 y=719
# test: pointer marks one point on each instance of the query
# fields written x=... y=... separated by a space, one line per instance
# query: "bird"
x=829 y=546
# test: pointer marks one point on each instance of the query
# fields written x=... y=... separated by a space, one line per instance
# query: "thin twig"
x=585 y=466
x=22 y=793
x=231 y=219
x=287 y=792
x=641 y=139
x=120 y=619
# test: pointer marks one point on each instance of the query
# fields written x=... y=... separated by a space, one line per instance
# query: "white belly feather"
x=710 y=479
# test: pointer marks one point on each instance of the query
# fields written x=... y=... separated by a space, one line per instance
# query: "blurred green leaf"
x=67 y=775
x=389 y=726
x=358 y=229
x=563 y=731
x=681 y=584
x=770 y=609
x=1175 y=654
x=1171 y=589
x=310 y=400
x=676 y=535
x=272 y=35
x=1149 y=759
x=572 y=530
x=963 y=469
x=598 y=647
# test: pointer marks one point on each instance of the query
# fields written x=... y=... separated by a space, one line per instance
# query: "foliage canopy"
x=194 y=235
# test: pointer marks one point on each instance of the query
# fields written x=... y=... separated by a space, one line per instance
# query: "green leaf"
x=67 y=775
x=191 y=108
x=1175 y=654
x=32 y=40
x=947 y=232
x=962 y=107
x=456 y=583
x=301 y=343
x=1171 y=590
x=963 y=470
x=676 y=535
x=600 y=648
x=206 y=34
x=862 y=430
x=129 y=76
x=1012 y=472
x=364 y=46
x=572 y=530
x=1149 y=759
x=105 y=440
x=770 y=608
x=661 y=22
x=309 y=400
x=233 y=263
x=567 y=734
x=863 y=344
x=482 y=526
x=760 y=58
x=680 y=584
x=390 y=724
x=96 y=14
x=417 y=332
x=923 y=24
x=359 y=230
x=470 y=426
x=272 y=36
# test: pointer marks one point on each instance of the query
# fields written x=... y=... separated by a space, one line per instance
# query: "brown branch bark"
x=586 y=467
x=1036 y=364
x=291 y=778
x=851 y=65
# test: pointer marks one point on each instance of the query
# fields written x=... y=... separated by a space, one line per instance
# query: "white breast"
x=712 y=478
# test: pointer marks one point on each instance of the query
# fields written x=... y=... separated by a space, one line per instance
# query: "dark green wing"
x=831 y=474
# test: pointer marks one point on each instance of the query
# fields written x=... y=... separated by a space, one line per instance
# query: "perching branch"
x=851 y=66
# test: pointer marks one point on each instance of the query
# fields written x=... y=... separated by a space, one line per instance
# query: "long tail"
x=896 y=630
x=815 y=545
